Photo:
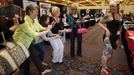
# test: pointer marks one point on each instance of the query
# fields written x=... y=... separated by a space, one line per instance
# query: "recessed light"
x=69 y=1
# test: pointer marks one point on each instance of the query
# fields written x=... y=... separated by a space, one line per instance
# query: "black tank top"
x=114 y=25
x=57 y=26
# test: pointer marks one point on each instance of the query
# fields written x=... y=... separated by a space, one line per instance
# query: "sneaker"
x=46 y=71
x=61 y=63
x=55 y=62
x=45 y=64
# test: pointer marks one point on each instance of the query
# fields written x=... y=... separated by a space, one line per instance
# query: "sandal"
x=105 y=71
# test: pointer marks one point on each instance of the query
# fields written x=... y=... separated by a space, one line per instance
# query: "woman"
x=58 y=28
x=73 y=20
x=7 y=29
x=52 y=38
x=44 y=21
x=111 y=23
x=29 y=34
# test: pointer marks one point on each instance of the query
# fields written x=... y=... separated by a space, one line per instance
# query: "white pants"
x=58 y=50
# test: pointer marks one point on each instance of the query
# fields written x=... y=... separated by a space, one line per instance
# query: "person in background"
x=66 y=25
x=44 y=21
x=7 y=31
x=29 y=34
x=9 y=18
x=58 y=28
x=73 y=19
x=111 y=23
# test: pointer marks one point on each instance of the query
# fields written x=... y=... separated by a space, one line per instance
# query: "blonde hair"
x=55 y=9
x=115 y=3
x=112 y=3
x=73 y=6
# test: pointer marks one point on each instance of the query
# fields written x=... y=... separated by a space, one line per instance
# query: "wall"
x=126 y=8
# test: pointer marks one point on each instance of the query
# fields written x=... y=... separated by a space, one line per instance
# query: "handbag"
x=12 y=56
x=80 y=30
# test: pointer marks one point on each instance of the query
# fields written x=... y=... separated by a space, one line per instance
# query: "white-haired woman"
x=111 y=23
x=58 y=28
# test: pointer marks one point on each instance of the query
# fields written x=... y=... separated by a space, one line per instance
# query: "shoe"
x=45 y=64
x=105 y=71
x=79 y=55
x=60 y=62
x=46 y=71
x=56 y=62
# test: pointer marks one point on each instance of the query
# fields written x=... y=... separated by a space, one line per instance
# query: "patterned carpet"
x=90 y=63
x=78 y=66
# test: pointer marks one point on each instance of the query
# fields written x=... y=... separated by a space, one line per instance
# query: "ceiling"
x=82 y=3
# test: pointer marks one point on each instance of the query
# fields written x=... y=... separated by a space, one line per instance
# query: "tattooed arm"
x=102 y=24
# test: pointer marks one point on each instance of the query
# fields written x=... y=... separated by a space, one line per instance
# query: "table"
x=130 y=40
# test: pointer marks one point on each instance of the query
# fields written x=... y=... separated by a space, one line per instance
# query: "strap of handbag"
x=5 y=41
x=3 y=37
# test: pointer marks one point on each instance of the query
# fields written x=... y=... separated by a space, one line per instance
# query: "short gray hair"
x=30 y=8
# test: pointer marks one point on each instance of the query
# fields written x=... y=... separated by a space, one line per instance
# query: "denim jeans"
x=41 y=48
x=34 y=57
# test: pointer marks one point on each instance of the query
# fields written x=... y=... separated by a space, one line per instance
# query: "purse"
x=80 y=30
x=12 y=56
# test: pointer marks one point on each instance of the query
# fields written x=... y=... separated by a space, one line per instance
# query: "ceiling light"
x=63 y=0
x=68 y=1
x=47 y=1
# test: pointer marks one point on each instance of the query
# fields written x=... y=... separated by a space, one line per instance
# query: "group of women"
x=32 y=34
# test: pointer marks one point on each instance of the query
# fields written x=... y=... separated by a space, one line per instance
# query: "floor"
x=92 y=51
x=89 y=64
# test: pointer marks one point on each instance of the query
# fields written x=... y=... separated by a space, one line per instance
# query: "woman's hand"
x=15 y=23
x=57 y=36
x=68 y=30
x=15 y=20
x=118 y=32
x=78 y=21
x=108 y=33
x=53 y=23
x=49 y=27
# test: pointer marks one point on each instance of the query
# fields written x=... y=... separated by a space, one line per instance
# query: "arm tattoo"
x=106 y=18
